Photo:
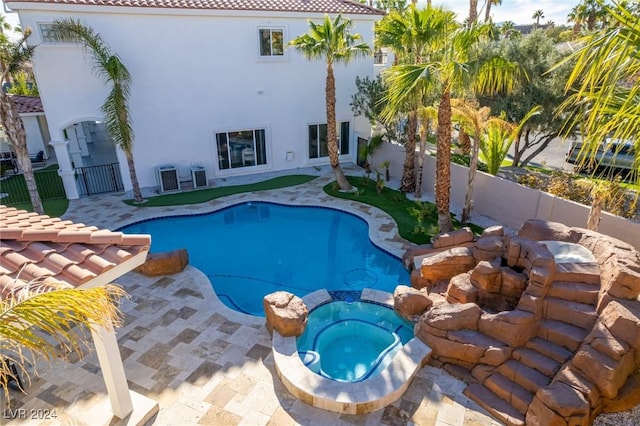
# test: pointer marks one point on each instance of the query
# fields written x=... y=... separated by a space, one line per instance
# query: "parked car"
x=612 y=153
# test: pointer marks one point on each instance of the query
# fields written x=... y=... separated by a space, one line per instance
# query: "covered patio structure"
x=51 y=250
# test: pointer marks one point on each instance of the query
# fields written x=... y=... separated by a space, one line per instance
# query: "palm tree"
x=409 y=34
x=606 y=85
x=487 y=12
x=116 y=106
x=454 y=66
x=472 y=120
x=538 y=15
x=13 y=59
x=333 y=42
x=38 y=322
x=473 y=12
x=427 y=115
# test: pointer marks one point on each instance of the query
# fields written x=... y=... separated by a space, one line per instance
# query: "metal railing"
x=99 y=179
x=13 y=188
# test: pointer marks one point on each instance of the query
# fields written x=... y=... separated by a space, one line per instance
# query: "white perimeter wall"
x=507 y=202
x=195 y=75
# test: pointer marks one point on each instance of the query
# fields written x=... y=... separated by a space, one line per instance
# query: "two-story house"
x=214 y=83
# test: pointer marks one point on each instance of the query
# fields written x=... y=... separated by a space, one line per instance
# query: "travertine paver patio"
x=206 y=364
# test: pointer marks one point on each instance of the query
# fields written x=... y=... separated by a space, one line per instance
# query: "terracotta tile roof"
x=39 y=247
x=310 y=6
x=27 y=104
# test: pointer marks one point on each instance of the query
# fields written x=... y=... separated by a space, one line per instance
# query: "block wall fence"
x=507 y=202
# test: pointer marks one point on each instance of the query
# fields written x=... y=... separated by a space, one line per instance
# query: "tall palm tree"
x=538 y=15
x=333 y=42
x=14 y=56
x=116 y=106
x=487 y=12
x=454 y=67
x=38 y=322
x=411 y=35
x=606 y=84
x=473 y=12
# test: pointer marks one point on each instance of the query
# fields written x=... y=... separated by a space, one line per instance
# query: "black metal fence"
x=13 y=189
x=99 y=179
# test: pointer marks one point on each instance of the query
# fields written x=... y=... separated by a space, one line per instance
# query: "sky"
x=518 y=11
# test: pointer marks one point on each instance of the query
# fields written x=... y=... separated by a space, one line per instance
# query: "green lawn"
x=204 y=195
x=397 y=206
x=53 y=208
x=50 y=188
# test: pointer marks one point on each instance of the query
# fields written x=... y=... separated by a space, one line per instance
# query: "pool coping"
x=362 y=397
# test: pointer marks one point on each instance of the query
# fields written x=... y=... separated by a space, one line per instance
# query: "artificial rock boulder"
x=409 y=302
x=547 y=338
x=285 y=313
x=166 y=263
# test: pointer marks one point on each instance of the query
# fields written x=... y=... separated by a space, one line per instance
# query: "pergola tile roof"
x=27 y=104
x=309 y=6
x=39 y=247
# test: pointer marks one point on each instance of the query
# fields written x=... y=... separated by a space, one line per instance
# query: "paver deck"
x=206 y=364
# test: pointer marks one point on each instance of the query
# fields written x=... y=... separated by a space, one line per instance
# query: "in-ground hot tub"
x=367 y=380
x=352 y=341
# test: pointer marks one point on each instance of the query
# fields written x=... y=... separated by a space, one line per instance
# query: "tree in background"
x=487 y=11
x=24 y=84
x=536 y=54
x=605 y=99
x=411 y=35
x=332 y=41
x=453 y=66
x=107 y=65
x=537 y=16
x=14 y=56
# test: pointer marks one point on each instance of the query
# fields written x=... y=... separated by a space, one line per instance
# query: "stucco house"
x=214 y=84
x=35 y=126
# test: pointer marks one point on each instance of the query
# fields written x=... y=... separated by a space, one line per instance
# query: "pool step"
x=587 y=272
x=576 y=292
x=495 y=405
x=579 y=314
x=537 y=361
x=527 y=377
x=562 y=334
x=549 y=349
x=509 y=391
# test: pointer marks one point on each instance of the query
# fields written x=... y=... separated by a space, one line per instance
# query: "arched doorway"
x=94 y=158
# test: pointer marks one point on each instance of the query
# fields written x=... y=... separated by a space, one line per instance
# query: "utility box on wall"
x=199 y=177
x=167 y=177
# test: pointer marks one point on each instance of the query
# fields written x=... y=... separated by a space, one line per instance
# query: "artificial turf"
x=398 y=206
x=204 y=195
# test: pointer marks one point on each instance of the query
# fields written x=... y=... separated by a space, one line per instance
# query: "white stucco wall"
x=196 y=74
x=35 y=140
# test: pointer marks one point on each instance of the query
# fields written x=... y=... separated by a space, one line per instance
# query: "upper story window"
x=47 y=34
x=271 y=41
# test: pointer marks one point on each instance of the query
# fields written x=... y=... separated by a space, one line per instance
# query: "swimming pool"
x=352 y=341
x=255 y=248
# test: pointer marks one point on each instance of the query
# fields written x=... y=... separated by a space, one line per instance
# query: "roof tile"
x=27 y=104
x=308 y=6
x=49 y=250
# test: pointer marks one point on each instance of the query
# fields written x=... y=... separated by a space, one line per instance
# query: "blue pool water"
x=352 y=341
x=253 y=249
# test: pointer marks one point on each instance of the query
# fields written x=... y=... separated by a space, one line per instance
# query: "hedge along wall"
x=507 y=202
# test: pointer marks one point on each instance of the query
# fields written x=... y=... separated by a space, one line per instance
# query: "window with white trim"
x=244 y=148
x=271 y=41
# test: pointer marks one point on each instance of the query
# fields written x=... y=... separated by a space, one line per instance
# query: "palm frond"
x=52 y=324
